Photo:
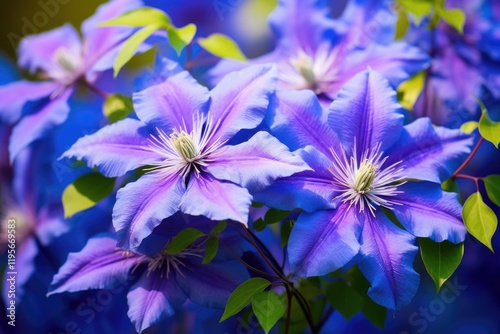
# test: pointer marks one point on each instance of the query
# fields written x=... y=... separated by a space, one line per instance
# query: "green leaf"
x=274 y=216
x=376 y=313
x=417 y=8
x=298 y=322
x=410 y=90
x=492 y=184
x=85 y=192
x=259 y=225
x=218 y=228
x=344 y=298
x=142 y=17
x=479 y=219
x=117 y=107
x=268 y=308
x=454 y=17
x=286 y=229
x=180 y=37
x=402 y=25
x=182 y=240
x=243 y=295
x=450 y=186
x=489 y=130
x=441 y=259
x=211 y=250
x=130 y=46
x=310 y=287
x=469 y=127
x=222 y=46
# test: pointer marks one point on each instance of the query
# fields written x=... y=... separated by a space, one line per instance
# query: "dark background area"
x=24 y=17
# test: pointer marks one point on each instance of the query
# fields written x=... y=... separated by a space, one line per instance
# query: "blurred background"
x=475 y=308
x=24 y=17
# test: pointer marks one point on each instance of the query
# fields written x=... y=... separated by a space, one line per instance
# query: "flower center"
x=14 y=221
x=66 y=61
x=186 y=151
x=67 y=66
x=165 y=263
x=363 y=182
x=184 y=144
x=364 y=177
x=304 y=65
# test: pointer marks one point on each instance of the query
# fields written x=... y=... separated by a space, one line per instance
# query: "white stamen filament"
x=316 y=70
x=183 y=151
x=365 y=183
x=165 y=263
x=304 y=65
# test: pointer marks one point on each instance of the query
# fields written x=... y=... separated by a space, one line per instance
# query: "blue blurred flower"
x=61 y=59
x=464 y=66
x=319 y=53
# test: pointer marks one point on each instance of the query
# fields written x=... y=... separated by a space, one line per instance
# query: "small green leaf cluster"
x=417 y=10
x=150 y=20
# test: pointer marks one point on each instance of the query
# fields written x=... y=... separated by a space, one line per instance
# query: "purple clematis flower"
x=318 y=53
x=365 y=162
x=465 y=66
x=157 y=282
x=182 y=137
x=62 y=59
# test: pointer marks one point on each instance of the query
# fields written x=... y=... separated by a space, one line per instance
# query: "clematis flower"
x=157 y=282
x=61 y=59
x=366 y=162
x=182 y=137
x=465 y=66
x=321 y=54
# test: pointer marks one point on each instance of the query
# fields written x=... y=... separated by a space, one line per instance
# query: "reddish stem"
x=472 y=178
x=469 y=158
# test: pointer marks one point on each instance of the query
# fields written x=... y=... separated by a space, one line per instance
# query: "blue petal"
x=226 y=66
x=217 y=200
x=302 y=24
x=324 y=241
x=152 y=299
x=143 y=204
x=387 y=261
x=115 y=149
x=430 y=153
x=241 y=99
x=172 y=103
x=99 y=265
x=366 y=110
x=429 y=212
x=15 y=95
x=37 y=125
x=299 y=120
x=397 y=62
x=368 y=21
x=37 y=51
x=255 y=164
x=308 y=190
